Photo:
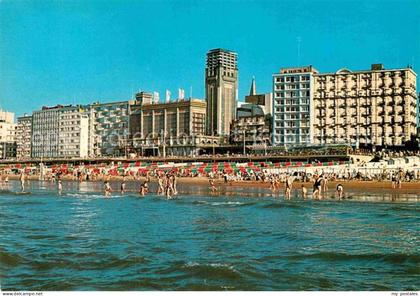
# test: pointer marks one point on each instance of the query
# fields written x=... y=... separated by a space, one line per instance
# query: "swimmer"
x=340 y=191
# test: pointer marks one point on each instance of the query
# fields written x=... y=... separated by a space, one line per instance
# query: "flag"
x=168 y=96
x=181 y=94
x=156 y=97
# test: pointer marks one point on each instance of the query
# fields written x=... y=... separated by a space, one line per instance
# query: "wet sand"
x=358 y=185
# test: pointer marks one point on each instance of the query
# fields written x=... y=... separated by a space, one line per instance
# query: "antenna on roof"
x=298 y=39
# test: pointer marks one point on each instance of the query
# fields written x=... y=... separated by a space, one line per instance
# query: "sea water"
x=239 y=239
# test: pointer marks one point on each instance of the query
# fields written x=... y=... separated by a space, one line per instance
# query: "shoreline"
x=368 y=186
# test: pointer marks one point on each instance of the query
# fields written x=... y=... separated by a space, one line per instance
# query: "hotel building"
x=221 y=79
x=370 y=107
x=292 y=106
x=74 y=134
x=375 y=107
x=23 y=137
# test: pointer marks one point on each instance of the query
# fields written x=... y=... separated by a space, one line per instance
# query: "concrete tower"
x=221 y=90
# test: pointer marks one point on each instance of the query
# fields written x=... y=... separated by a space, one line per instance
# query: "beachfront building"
x=253 y=131
x=292 y=106
x=73 y=132
x=60 y=132
x=167 y=128
x=221 y=84
x=45 y=131
x=7 y=135
x=23 y=137
x=109 y=128
x=375 y=107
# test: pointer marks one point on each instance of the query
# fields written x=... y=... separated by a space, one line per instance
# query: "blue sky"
x=84 y=51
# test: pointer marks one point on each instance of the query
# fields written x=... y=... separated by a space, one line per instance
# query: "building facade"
x=375 y=107
x=263 y=100
x=153 y=126
x=221 y=79
x=7 y=135
x=251 y=130
x=371 y=107
x=109 y=128
x=23 y=137
x=292 y=107
x=45 y=132
x=74 y=132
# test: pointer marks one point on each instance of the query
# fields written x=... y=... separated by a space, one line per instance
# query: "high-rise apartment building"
x=375 y=107
x=292 y=107
x=221 y=90
x=74 y=132
x=24 y=137
x=45 y=131
x=109 y=128
x=60 y=131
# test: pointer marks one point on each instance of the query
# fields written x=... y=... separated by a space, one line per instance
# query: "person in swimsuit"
x=340 y=190
x=107 y=188
x=317 y=188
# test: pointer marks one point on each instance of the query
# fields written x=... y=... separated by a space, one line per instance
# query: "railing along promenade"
x=278 y=157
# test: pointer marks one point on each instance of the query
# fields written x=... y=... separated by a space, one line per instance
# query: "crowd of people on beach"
x=166 y=181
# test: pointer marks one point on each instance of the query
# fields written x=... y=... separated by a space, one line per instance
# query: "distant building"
x=246 y=110
x=263 y=100
x=109 y=128
x=7 y=135
x=144 y=98
x=221 y=79
x=253 y=130
x=60 y=131
x=166 y=124
x=45 y=131
x=24 y=137
x=74 y=132
x=375 y=107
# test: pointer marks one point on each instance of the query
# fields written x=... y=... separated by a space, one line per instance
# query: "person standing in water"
x=59 y=187
x=317 y=188
x=122 y=187
x=212 y=185
x=304 y=192
x=107 y=188
x=340 y=191
x=22 y=180
x=161 y=189
x=288 y=184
